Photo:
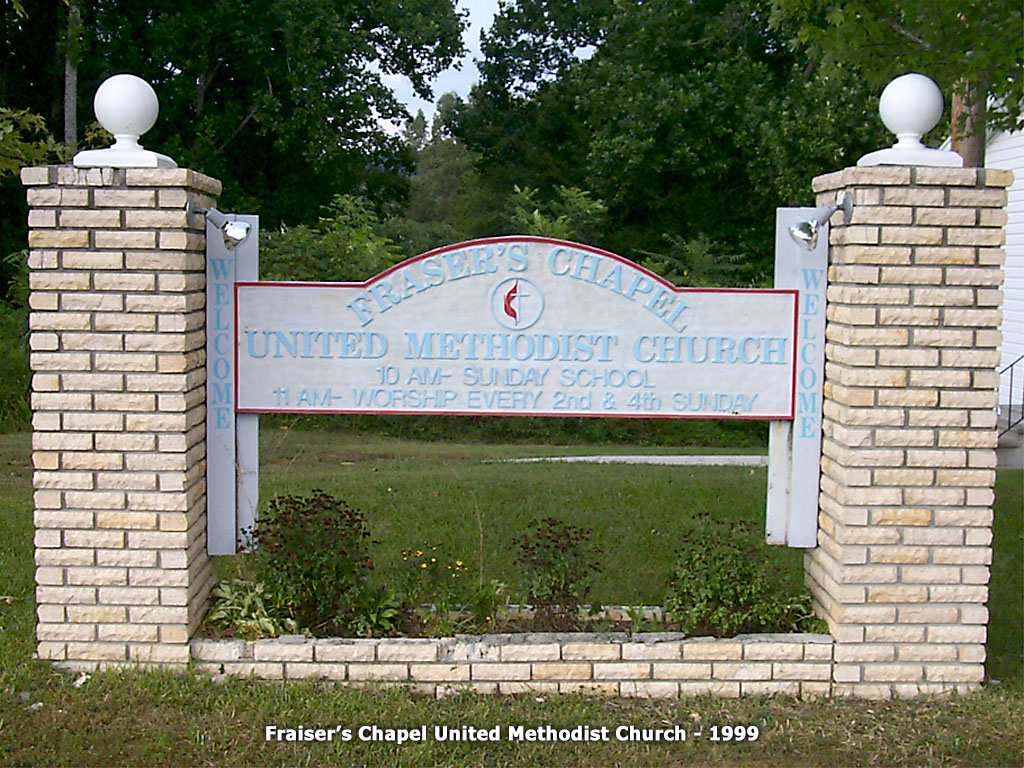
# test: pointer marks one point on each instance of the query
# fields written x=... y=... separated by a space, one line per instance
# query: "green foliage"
x=248 y=609
x=558 y=562
x=573 y=214
x=24 y=141
x=282 y=101
x=448 y=202
x=379 y=613
x=958 y=43
x=722 y=584
x=691 y=122
x=15 y=375
x=486 y=601
x=699 y=262
x=449 y=199
x=638 y=620
x=439 y=598
x=429 y=575
x=311 y=552
x=343 y=246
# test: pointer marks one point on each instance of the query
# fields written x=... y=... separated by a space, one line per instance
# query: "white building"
x=1006 y=150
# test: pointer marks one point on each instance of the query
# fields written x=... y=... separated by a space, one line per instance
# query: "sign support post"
x=794 y=447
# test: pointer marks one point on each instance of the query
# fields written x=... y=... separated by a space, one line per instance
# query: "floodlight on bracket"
x=234 y=232
x=805 y=233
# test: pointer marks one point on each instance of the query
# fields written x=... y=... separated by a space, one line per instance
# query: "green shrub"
x=15 y=375
x=312 y=552
x=378 y=613
x=559 y=562
x=723 y=585
x=342 y=245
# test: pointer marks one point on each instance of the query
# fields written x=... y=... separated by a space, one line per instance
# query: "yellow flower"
x=423 y=565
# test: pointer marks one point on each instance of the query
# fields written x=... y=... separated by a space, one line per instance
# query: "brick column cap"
x=43 y=175
x=904 y=175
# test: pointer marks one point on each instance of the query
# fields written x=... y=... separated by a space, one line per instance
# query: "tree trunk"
x=71 y=76
x=968 y=116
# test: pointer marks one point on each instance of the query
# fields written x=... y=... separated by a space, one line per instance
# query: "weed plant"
x=558 y=562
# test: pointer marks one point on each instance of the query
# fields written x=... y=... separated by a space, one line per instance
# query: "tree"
x=448 y=199
x=971 y=48
x=24 y=140
x=691 y=121
x=573 y=214
x=280 y=99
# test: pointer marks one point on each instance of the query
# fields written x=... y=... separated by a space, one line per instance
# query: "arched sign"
x=516 y=326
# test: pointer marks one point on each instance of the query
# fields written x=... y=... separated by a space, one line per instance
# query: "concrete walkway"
x=681 y=461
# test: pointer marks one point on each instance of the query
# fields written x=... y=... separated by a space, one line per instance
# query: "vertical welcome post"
x=801 y=262
x=118 y=398
x=232 y=439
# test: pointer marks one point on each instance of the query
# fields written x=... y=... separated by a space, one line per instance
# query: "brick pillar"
x=118 y=399
x=908 y=467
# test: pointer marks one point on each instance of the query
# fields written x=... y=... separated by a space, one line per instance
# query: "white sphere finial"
x=910 y=106
x=126 y=106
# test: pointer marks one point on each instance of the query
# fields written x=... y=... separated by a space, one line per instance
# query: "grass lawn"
x=155 y=718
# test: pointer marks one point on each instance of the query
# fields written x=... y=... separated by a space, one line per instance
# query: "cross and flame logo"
x=510 y=302
x=516 y=303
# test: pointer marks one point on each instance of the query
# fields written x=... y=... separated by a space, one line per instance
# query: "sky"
x=481 y=13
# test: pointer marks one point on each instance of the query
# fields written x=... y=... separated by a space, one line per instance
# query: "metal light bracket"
x=805 y=233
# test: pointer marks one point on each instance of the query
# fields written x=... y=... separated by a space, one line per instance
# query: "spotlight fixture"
x=805 y=233
x=234 y=232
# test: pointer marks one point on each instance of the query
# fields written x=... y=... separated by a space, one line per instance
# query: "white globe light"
x=126 y=106
x=910 y=106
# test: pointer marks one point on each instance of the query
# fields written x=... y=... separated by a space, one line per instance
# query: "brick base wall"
x=655 y=665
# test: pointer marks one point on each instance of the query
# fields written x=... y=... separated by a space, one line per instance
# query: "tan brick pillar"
x=118 y=399
x=908 y=468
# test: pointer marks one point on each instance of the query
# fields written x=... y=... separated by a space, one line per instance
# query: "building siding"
x=1006 y=150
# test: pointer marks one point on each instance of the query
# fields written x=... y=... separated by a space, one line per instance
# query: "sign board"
x=516 y=326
